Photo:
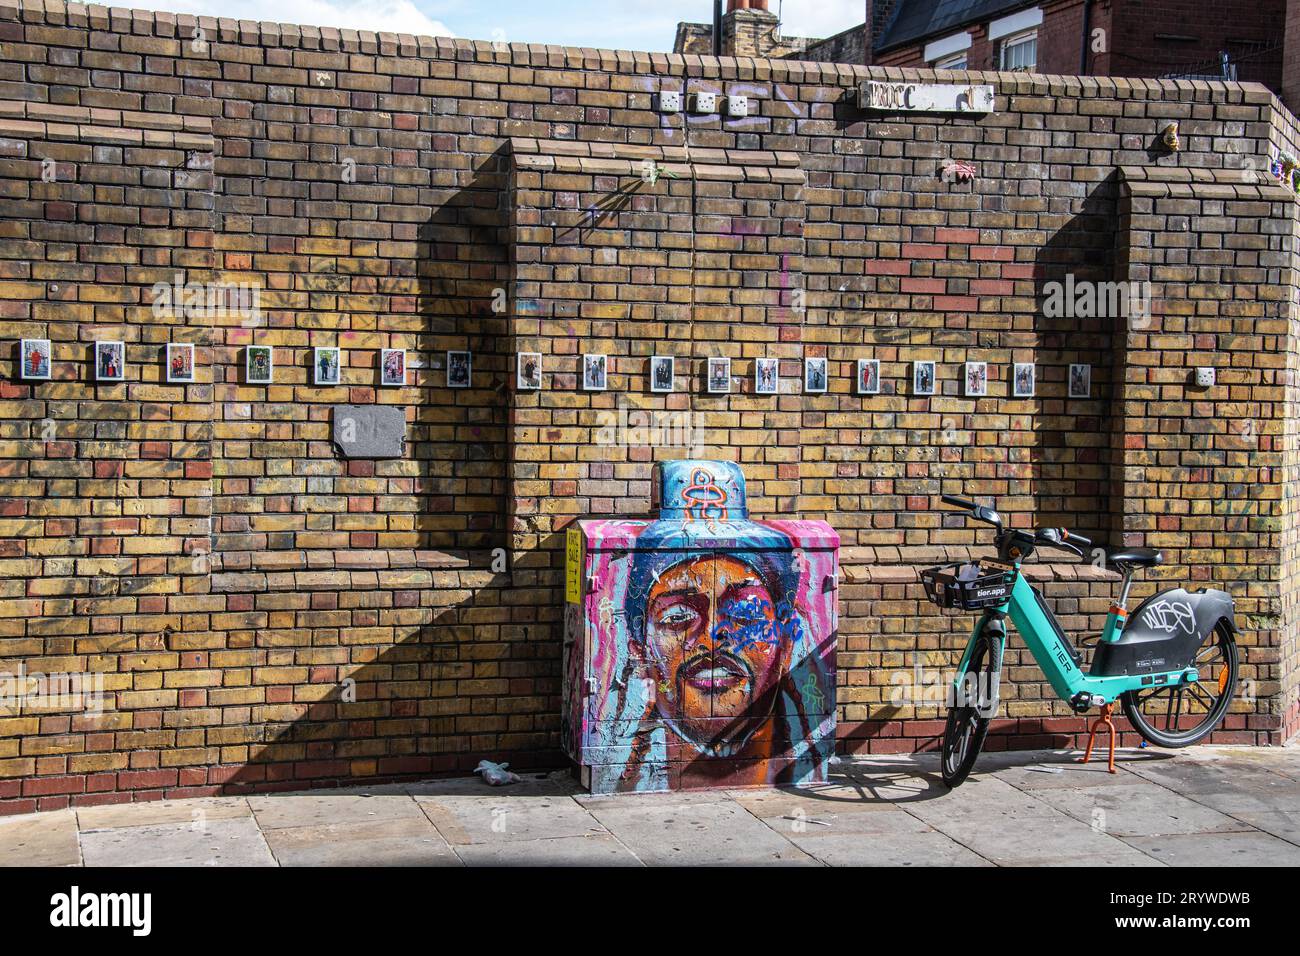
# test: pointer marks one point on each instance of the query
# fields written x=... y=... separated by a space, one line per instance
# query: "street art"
x=701 y=645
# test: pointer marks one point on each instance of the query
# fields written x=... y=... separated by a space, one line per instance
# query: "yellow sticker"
x=573 y=566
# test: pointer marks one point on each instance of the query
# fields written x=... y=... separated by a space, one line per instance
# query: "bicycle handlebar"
x=1052 y=537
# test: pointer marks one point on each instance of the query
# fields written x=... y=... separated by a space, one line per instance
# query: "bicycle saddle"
x=1135 y=557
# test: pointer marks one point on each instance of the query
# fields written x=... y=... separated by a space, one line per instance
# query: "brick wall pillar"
x=1201 y=472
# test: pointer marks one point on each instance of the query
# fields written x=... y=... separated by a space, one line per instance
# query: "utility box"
x=700 y=646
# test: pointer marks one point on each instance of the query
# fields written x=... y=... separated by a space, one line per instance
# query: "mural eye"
x=677 y=617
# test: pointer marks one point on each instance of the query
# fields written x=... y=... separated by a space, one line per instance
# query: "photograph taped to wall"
x=766 y=376
x=110 y=361
x=1080 y=381
x=327 y=365
x=528 y=371
x=923 y=378
x=459 y=369
x=595 y=372
x=977 y=379
x=1024 y=380
x=34 y=355
x=815 y=375
x=662 y=373
x=392 y=368
x=259 y=365
x=180 y=363
x=868 y=376
x=719 y=375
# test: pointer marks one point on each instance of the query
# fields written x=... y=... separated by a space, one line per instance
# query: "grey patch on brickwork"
x=369 y=431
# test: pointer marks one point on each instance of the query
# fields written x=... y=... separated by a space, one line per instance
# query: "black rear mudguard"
x=1164 y=633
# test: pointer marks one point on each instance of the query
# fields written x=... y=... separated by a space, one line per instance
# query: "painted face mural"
x=719 y=646
x=709 y=658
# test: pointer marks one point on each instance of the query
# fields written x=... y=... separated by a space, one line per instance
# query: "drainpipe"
x=1087 y=37
x=717 y=27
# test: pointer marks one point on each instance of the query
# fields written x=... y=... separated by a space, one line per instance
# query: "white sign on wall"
x=925 y=97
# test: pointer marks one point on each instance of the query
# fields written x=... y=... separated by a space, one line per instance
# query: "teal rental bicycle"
x=1172 y=664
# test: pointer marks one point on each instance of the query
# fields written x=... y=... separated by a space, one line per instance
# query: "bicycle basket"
x=971 y=587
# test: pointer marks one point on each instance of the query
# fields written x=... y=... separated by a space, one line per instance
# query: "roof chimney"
x=734 y=5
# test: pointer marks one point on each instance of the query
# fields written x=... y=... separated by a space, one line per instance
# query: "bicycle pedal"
x=1083 y=701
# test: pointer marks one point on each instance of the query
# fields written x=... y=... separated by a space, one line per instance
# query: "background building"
x=1226 y=39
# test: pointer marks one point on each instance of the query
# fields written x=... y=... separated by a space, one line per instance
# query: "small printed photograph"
x=1080 y=381
x=392 y=368
x=922 y=378
x=977 y=379
x=35 y=354
x=814 y=375
x=766 y=376
x=180 y=363
x=258 y=365
x=528 y=371
x=595 y=372
x=458 y=369
x=719 y=376
x=662 y=373
x=110 y=361
x=868 y=376
x=1023 y=380
x=326 y=363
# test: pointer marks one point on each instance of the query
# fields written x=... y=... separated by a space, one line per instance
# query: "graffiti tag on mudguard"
x=1170 y=616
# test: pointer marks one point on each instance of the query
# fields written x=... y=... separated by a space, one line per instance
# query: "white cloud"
x=389 y=16
x=819 y=18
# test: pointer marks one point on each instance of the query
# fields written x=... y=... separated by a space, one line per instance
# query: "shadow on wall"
x=1075 y=296
x=474 y=670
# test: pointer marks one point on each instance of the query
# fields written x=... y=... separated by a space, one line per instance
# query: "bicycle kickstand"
x=1102 y=721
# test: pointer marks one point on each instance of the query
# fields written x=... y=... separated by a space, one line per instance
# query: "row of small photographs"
x=815 y=376
x=327 y=367
x=259 y=364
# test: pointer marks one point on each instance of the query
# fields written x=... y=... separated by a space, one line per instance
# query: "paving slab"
x=533 y=785
x=400 y=842
x=486 y=819
x=322 y=808
x=234 y=842
x=1012 y=828
x=1138 y=809
x=157 y=812
x=40 y=839
x=1219 y=849
x=1064 y=774
x=678 y=833
x=826 y=803
x=920 y=848
x=1226 y=784
x=1283 y=824
x=596 y=849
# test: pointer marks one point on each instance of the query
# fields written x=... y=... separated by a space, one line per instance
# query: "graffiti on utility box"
x=700 y=646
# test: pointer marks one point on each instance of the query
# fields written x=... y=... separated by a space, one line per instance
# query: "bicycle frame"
x=1056 y=659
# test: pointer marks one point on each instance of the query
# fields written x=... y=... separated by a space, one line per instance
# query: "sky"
x=620 y=24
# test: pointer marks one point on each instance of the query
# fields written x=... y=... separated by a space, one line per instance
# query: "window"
x=1019 y=52
x=950 y=52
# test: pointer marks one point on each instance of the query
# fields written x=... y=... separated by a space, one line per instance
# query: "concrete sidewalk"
x=1207 y=805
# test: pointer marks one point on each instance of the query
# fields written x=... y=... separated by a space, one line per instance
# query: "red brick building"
x=1154 y=38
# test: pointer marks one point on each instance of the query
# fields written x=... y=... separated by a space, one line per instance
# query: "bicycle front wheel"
x=963 y=737
x=1176 y=716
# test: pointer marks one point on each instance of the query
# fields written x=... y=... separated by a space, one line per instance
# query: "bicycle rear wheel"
x=1176 y=716
x=963 y=737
